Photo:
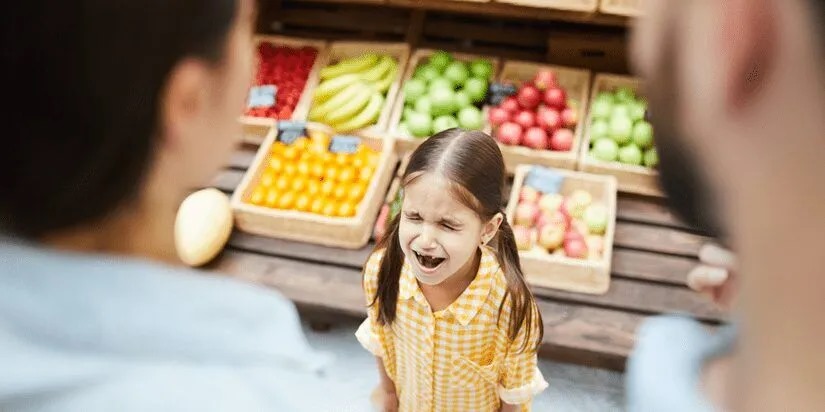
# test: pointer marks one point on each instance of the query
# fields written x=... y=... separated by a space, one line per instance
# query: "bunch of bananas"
x=352 y=92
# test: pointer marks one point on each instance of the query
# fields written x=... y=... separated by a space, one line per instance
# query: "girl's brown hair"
x=473 y=163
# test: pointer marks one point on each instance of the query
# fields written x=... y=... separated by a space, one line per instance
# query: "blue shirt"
x=103 y=333
x=665 y=369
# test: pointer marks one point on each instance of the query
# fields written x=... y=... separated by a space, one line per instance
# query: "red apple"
x=575 y=249
x=569 y=117
x=526 y=214
x=528 y=97
x=548 y=119
x=528 y=195
x=536 y=138
x=562 y=140
x=510 y=104
x=498 y=116
x=556 y=98
x=509 y=133
x=545 y=78
x=526 y=119
x=551 y=237
x=525 y=237
x=572 y=235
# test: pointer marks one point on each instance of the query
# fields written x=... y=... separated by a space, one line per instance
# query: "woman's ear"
x=490 y=228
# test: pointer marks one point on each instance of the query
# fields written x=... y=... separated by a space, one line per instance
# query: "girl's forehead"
x=432 y=193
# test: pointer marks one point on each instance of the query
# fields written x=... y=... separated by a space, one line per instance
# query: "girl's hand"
x=715 y=276
x=506 y=407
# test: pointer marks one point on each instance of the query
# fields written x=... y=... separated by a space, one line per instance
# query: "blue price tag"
x=288 y=131
x=289 y=136
x=344 y=144
x=544 y=180
x=291 y=125
x=262 y=96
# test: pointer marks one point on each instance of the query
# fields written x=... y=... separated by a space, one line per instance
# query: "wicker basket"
x=351 y=233
x=407 y=143
x=577 y=83
x=302 y=107
x=631 y=178
x=571 y=5
x=560 y=272
x=345 y=49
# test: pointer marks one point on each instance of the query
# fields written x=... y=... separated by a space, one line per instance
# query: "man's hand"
x=715 y=276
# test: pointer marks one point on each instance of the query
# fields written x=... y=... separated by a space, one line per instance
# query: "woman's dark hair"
x=84 y=82
x=473 y=163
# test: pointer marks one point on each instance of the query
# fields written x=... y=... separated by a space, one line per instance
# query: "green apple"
x=595 y=217
x=642 y=135
x=403 y=129
x=423 y=105
x=602 y=109
x=621 y=127
x=600 y=129
x=406 y=114
x=637 y=111
x=442 y=101
x=651 y=157
x=605 y=150
x=476 y=88
x=414 y=89
x=457 y=72
x=481 y=68
x=440 y=60
x=420 y=124
x=443 y=123
x=625 y=95
x=441 y=83
x=621 y=109
x=630 y=154
x=462 y=99
x=470 y=118
x=605 y=96
x=426 y=73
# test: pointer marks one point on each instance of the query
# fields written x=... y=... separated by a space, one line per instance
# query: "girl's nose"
x=427 y=238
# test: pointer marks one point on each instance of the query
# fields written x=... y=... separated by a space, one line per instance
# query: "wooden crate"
x=407 y=143
x=255 y=129
x=598 y=51
x=630 y=8
x=572 y=5
x=302 y=107
x=577 y=83
x=632 y=179
x=351 y=233
x=400 y=51
x=560 y=272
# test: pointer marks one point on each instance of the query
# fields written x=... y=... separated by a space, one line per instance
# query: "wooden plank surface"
x=598 y=335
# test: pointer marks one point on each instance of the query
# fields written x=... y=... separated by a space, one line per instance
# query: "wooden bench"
x=653 y=253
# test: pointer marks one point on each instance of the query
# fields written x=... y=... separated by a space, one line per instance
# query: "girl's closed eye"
x=412 y=216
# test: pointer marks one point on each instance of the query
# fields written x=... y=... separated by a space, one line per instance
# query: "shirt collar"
x=471 y=300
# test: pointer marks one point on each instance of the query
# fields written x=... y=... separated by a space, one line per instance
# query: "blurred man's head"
x=737 y=96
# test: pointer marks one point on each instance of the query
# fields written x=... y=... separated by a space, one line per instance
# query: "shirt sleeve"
x=521 y=379
x=370 y=334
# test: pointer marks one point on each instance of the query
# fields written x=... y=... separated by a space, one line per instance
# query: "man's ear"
x=491 y=228
x=749 y=40
x=184 y=103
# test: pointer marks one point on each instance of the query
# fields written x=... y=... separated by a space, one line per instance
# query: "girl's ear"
x=490 y=228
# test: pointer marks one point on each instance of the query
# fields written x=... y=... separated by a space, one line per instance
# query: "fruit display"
x=353 y=91
x=538 y=114
x=563 y=224
x=619 y=131
x=572 y=225
x=444 y=91
x=389 y=211
x=280 y=79
x=315 y=173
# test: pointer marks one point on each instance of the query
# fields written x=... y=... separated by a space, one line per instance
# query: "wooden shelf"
x=492 y=8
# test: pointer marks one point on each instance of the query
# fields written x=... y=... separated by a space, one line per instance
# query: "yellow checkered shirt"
x=456 y=359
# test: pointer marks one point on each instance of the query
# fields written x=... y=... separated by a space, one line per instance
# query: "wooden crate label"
x=344 y=144
x=545 y=180
x=262 y=96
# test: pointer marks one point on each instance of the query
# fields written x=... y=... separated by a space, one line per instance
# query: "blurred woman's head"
x=117 y=107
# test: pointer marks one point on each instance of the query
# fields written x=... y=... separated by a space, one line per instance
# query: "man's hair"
x=83 y=82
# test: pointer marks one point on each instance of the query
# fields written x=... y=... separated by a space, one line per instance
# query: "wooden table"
x=653 y=253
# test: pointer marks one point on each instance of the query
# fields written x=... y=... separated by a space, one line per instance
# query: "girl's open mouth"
x=428 y=262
